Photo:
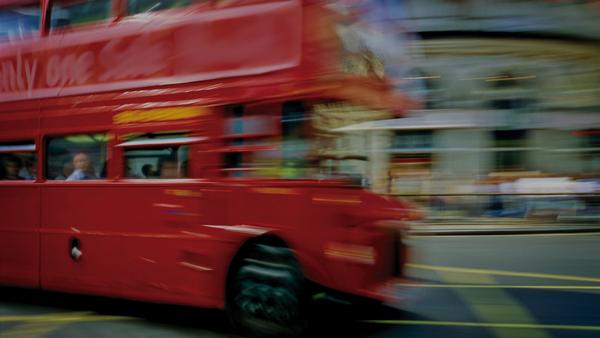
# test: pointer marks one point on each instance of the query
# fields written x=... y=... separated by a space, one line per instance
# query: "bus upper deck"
x=228 y=49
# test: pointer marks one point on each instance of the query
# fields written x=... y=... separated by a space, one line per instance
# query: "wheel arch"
x=268 y=238
x=313 y=269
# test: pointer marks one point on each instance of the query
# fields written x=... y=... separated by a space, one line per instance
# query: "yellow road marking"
x=493 y=305
x=62 y=317
x=487 y=325
x=501 y=286
x=556 y=234
x=503 y=273
x=36 y=326
x=32 y=330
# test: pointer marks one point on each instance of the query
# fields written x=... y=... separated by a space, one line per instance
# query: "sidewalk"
x=499 y=228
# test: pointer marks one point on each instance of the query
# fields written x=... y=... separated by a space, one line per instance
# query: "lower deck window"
x=18 y=161
x=77 y=157
x=154 y=158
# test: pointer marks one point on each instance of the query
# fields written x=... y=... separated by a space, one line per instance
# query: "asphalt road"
x=533 y=286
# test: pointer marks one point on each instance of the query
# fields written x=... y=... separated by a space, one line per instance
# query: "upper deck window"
x=145 y=6
x=67 y=13
x=17 y=23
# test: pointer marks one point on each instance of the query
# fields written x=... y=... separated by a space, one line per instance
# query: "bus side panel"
x=168 y=256
x=139 y=241
x=19 y=234
x=74 y=211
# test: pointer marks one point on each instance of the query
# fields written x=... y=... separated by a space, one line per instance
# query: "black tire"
x=266 y=293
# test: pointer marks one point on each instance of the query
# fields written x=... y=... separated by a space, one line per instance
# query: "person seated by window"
x=67 y=170
x=131 y=174
x=29 y=171
x=12 y=165
x=148 y=170
x=169 y=169
x=83 y=169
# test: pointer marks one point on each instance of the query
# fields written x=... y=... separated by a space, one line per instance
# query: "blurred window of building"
x=592 y=139
x=68 y=13
x=417 y=140
x=510 y=149
x=18 y=161
x=511 y=91
x=156 y=156
x=411 y=161
x=590 y=149
x=425 y=87
x=77 y=157
x=17 y=23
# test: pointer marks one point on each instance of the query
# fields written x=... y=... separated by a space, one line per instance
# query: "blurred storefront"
x=510 y=94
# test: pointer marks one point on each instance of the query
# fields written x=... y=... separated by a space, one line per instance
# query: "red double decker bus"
x=176 y=151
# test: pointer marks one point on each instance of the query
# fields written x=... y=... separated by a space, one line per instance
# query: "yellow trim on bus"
x=158 y=115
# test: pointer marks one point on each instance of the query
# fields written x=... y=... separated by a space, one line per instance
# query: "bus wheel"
x=266 y=296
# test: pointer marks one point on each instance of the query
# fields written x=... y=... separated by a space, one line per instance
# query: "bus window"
x=18 y=161
x=158 y=156
x=295 y=145
x=17 y=23
x=77 y=157
x=145 y=6
x=67 y=13
x=251 y=143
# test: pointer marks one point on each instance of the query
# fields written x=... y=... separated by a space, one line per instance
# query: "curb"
x=502 y=231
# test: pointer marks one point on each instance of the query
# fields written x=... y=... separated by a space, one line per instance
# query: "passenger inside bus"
x=169 y=168
x=161 y=162
x=67 y=170
x=148 y=170
x=76 y=157
x=83 y=168
x=11 y=166
x=29 y=171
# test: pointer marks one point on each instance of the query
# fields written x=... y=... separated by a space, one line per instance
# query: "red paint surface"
x=159 y=49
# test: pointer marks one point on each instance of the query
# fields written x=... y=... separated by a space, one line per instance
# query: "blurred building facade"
x=508 y=89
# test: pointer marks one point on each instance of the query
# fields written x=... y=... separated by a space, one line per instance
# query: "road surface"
x=533 y=286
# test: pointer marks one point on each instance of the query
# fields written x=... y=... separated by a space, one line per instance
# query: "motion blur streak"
x=489 y=325
x=501 y=286
x=503 y=273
